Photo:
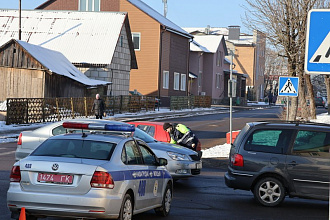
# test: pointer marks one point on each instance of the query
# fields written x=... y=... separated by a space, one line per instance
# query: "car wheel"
x=269 y=191
x=126 y=210
x=164 y=210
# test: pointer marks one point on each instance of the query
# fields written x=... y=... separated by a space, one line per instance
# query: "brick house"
x=98 y=44
x=161 y=47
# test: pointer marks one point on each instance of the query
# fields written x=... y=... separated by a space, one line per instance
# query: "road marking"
x=323 y=52
x=10 y=152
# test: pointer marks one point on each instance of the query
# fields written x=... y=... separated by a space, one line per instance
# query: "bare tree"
x=274 y=66
x=284 y=22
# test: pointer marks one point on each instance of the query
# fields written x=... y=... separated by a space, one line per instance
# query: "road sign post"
x=288 y=86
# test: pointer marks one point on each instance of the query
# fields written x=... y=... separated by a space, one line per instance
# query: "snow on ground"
x=213 y=152
x=223 y=150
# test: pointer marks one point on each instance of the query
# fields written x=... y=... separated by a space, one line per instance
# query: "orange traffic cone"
x=22 y=215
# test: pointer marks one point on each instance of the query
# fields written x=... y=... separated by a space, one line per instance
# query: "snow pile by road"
x=217 y=151
x=3 y=106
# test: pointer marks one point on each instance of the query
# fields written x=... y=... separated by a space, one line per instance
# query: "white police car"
x=90 y=176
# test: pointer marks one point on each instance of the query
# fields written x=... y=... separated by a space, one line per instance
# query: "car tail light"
x=102 y=180
x=19 y=142
x=15 y=174
x=237 y=160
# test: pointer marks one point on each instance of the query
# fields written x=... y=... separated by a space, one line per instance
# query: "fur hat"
x=166 y=125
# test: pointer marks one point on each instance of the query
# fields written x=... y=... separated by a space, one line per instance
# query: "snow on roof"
x=57 y=63
x=158 y=17
x=227 y=60
x=209 y=42
x=83 y=37
x=196 y=47
x=244 y=39
x=213 y=30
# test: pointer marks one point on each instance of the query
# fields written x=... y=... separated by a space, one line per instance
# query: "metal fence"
x=35 y=110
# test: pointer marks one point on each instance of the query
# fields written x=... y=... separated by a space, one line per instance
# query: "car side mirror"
x=162 y=162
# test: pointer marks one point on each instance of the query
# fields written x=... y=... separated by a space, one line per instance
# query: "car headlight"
x=177 y=156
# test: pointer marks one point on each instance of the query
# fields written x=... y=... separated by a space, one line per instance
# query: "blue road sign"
x=288 y=86
x=317 y=53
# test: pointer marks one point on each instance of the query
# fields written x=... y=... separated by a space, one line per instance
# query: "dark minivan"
x=275 y=159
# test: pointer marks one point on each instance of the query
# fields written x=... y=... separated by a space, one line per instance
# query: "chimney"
x=207 y=30
x=234 y=32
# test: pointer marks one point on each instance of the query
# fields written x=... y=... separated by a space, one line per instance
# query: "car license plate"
x=54 y=178
x=198 y=166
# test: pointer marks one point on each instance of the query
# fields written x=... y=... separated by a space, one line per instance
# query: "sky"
x=184 y=13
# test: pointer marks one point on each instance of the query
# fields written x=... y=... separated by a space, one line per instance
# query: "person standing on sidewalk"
x=182 y=135
x=98 y=107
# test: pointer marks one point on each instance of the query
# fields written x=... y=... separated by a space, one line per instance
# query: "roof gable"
x=55 y=62
x=83 y=37
x=210 y=43
x=160 y=18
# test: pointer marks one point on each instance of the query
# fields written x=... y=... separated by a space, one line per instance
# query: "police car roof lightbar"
x=103 y=127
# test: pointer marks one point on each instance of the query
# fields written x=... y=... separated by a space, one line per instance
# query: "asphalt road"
x=204 y=196
x=211 y=129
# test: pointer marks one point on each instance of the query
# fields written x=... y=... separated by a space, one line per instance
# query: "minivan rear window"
x=268 y=140
x=75 y=149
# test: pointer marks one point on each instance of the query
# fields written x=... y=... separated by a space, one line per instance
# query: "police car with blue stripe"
x=86 y=175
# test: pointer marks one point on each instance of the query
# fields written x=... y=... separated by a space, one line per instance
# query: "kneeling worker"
x=182 y=135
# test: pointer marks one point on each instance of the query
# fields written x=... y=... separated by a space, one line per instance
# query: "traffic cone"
x=22 y=215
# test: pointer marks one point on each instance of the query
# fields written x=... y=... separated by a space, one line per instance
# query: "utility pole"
x=230 y=94
x=165 y=7
x=19 y=20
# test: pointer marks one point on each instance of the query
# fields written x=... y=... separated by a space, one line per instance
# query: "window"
x=148 y=129
x=121 y=40
x=89 y=5
x=312 y=144
x=166 y=78
x=200 y=79
x=95 y=150
x=148 y=157
x=176 y=81
x=268 y=141
x=183 y=82
x=136 y=37
x=131 y=154
x=217 y=80
x=219 y=58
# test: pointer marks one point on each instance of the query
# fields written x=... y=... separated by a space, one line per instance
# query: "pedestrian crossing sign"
x=317 y=52
x=288 y=86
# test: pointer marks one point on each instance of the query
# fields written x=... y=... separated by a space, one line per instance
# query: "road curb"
x=217 y=162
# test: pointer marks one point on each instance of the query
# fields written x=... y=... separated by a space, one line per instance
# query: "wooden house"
x=99 y=44
x=207 y=54
x=161 y=47
x=31 y=71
